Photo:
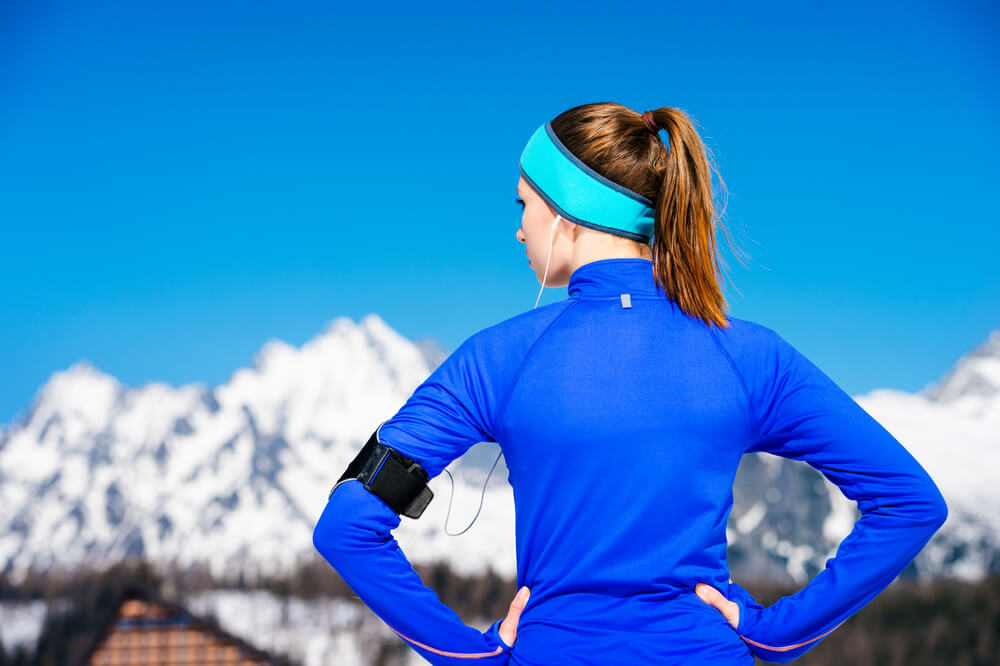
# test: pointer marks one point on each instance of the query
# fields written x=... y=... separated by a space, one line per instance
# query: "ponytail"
x=614 y=141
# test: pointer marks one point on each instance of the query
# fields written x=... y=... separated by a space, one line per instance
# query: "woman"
x=623 y=412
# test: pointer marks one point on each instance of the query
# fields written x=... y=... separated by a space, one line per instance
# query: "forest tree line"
x=910 y=624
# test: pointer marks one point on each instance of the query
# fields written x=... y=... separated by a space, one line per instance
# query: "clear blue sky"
x=182 y=181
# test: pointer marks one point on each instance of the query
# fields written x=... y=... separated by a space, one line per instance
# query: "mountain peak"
x=974 y=380
x=82 y=388
x=83 y=376
x=338 y=325
x=379 y=331
x=271 y=353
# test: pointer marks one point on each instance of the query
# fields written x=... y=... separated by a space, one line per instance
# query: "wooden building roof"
x=146 y=629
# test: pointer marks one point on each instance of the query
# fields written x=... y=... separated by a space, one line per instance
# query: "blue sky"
x=181 y=182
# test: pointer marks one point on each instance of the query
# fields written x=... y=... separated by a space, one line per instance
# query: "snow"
x=316 y=632
x=21 y=623
x=241 y=471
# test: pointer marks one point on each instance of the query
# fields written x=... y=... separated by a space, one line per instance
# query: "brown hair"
x=613 y=141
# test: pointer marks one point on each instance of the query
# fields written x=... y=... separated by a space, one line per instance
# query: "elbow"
x=937 y=511
x=328 y=534
x=324 y=538
x=940 y=512
x=354 y=521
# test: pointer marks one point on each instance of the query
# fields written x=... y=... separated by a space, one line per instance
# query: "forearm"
x=354 y=535
x=884 y=540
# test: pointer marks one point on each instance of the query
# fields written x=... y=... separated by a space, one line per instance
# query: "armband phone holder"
x=397 y=479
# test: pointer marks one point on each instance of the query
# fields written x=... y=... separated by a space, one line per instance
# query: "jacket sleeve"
x=443 y=418
x=799 y=413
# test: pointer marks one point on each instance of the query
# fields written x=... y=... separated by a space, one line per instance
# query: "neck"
x=594 y=247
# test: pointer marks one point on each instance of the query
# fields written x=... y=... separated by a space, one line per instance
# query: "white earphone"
x=552 y=232
x=482 y=495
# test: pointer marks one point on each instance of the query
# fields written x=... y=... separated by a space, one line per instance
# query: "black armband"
x=385 y=472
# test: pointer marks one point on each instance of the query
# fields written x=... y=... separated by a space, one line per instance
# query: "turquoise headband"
x=582 y=195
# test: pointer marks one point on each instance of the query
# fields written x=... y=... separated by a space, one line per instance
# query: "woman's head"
x=571 y=244
x=613 y=141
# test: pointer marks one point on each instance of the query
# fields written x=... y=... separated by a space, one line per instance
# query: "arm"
x=799 y=413
x=439 y=422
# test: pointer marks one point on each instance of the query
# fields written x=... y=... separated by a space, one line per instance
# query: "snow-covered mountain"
x=232 y=475
x=784 y=509
x=236 y=475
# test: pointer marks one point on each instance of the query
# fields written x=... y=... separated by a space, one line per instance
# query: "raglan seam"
x=520 y=370
x=743 y=384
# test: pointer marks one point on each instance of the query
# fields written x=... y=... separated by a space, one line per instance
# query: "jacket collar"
x=613 y=277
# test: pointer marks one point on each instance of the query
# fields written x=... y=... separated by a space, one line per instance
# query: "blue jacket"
x=623 y=421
